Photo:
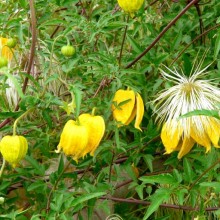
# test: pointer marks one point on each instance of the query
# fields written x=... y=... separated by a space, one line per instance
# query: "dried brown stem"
x=162 y=33
x=137 y=201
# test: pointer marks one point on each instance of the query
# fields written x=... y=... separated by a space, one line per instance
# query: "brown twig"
x=205 y=172
x=31 y=57
x=137 y=201
x=195 y=39
x=162 y=33
x=123 y=42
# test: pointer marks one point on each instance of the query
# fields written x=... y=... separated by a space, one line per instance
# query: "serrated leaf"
x=86 y=197
x=39 y=169
x=78 y=98
x=188 y=172
x=215 y=185
x=148 y=158
x=161 y=178
x=61 y=165
x=211 y=113
x=139 y=189
x=134 y=44
x=38 y=184
x=217 y=45
x=157 y=199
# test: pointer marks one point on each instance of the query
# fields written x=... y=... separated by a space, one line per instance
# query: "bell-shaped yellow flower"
x=130 y=6
x=126 y=105
x=5 y=50
x=73 y=140
x=96 y=128
x=13 y=148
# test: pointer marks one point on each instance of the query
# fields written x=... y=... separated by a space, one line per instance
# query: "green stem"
x=55 y=186
x=93 y=111
x=20 y=117
x=51 y=55
x=2 y=168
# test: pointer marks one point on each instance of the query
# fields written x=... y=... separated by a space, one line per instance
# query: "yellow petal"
x=133 y=114
x=130 y=5
x=187 y=145
x=213 y=131
x=13 y=148
x=140 y=111
x=125 y=102
x=96 y=129
x=73 y=140
x=170 y=135
x=201 y=138
x=5 y=51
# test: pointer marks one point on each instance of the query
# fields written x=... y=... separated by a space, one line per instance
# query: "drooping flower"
x=96 y=128
x=130 y=6
x=13 y=148
x=5 y=50
x=126 y=105
x=188 y=94
x=82 y=136
x=73 y=140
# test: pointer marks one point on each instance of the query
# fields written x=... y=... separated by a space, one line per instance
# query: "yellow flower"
x=126 y=105
x=5 y=50
x=96 y=128
x=13 y=148
x=73 y=140
x=188 y=94
x=130 y=6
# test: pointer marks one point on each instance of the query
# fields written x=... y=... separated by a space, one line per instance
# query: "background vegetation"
x=129 y=176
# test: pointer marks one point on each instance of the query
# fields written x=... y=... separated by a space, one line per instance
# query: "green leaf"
x=160 y=196
x=61 y=165
x=217 y=45
x=139 y=189
x=38 y=184
x=214 y=185
x=87 y=197
x=39 y=169
x=16 y=84
x=188 y=172
x=78 y=98
x=161 y=178
x=211 y=113
x=134 y=44
x=148 y=158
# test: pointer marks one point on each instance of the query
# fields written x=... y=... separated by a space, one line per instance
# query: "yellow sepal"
x=170 y=135
x=140 y=111
x=187 y=145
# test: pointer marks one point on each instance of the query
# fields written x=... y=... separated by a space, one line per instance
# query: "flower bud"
x=68 y=50
x=13 y=148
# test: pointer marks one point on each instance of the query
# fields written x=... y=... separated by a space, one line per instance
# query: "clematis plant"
x=188 y=94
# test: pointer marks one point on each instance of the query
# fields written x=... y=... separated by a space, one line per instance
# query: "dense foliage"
x=69 y=58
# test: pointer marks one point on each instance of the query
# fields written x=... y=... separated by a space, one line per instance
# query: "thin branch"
x=162 y=33
x=123 y=42
x=195 y=39
x=31 y=57
x=205 y=172
x=137 y=201
x=33 y=43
